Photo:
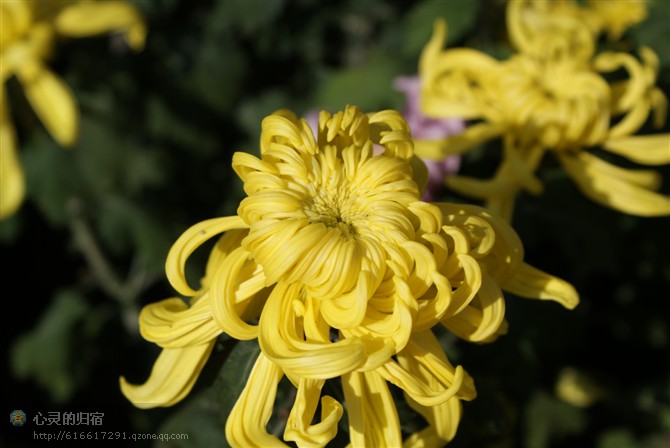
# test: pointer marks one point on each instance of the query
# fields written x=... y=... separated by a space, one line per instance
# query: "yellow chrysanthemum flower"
x=339 y=270
x=550 y=96
x=531 y=22
x=28 y=31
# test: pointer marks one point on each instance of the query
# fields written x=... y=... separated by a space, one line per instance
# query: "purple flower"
x=425 y=128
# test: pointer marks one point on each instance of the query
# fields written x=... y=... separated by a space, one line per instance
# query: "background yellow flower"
x=29 y=34
x=552 y=95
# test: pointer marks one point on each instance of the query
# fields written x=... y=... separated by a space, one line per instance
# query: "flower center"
x=556 y=102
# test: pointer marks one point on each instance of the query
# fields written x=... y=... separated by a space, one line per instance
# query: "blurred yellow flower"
x=340 y=271
x=28 y=33
x=551 y=96
x=578 y=388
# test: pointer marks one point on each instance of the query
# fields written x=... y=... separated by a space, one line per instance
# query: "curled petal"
x=172 y=324
x=443 y=418
x=299 y=426
x=348 y=310
x=637 y=84
x=226 y=287
x=419 y=390
x=284 y=128
x=394 y=134
x=172 y=377
x=532 y=283
x=388 y=318
x=283 y=342
x=373 y=419
x=246 y=424
x=433 y=309
x=443 y=422
x=633 y=119
x=245 y=163
x=188 y=242
x=482 y=320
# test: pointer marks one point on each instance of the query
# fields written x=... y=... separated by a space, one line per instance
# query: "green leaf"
x=46 y=353
x=548 y=418
x=418 y=26
x=123 y=225
x=617 y=438
x=234 y=374
x=204 y=416
x=217 y=73
x=370 y=86
x=108 y=162
x=200 y=418
x=655 y=31
x=10 y=228
x=51 y=176
x=246 y=16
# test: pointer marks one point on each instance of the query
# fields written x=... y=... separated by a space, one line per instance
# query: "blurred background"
x=158 y=128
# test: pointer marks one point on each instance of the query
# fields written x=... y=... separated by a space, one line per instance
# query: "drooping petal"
x=443 y=419
x=52 y=100
x=91 y=18
x=533 y=283
x=172 y=377
x=246 y=424
x=299 y=427
x=373 y=419
x=625 y=190
x=645 y=149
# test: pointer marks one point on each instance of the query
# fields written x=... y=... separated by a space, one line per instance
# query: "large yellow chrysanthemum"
x=28 y=32
x=339 y=270
x=550 y=96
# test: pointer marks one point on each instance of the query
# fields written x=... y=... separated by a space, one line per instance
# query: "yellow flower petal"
x=470 y=138
x=171 y=379
x=645 y=149
x=443 y=418
x=231 y=303
x=482 y=320
x=373 y=419
x=12 y=184
x=299 y=427
x=624 y=190
x=283 y=343
x=173 y=324
x=188 y=242
x=90 y=18
x=52 y=100
x=448 y=385
x=532 y=283
x=246 y=424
